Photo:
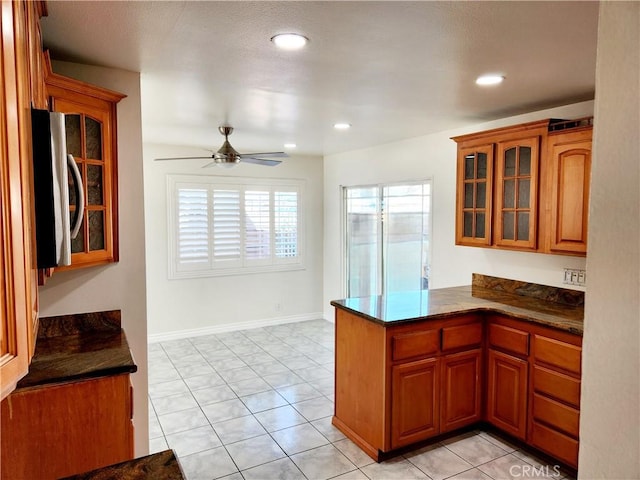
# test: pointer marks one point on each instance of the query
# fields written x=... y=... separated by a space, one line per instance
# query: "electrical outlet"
x=575 y=276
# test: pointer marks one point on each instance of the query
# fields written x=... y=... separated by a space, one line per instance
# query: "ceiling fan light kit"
x=227 y=156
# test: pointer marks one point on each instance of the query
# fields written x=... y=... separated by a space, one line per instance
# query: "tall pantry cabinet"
x=21 y=86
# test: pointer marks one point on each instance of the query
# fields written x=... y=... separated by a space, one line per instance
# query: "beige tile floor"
x=257 y=404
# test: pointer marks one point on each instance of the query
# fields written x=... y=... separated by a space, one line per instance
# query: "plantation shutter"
x=193 y=228
x=227 y=238
x=231 y=226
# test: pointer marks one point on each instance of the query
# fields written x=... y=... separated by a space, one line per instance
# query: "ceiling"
x=392 y=69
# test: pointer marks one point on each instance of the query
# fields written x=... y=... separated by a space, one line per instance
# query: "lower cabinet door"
x=461 y=390
x=60 y=430
x=414 y=401
x=507 y=393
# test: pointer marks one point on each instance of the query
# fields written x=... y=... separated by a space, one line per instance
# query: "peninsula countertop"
x=553 y=307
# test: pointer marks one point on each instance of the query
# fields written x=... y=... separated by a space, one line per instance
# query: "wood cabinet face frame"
x=22 y=86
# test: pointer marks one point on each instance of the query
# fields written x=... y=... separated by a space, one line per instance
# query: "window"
x=387 y=242
x=227 y=225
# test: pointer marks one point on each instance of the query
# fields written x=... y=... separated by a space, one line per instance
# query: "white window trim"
x=247 y=267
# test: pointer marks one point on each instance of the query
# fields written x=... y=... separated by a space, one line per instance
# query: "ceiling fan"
x=227 y=156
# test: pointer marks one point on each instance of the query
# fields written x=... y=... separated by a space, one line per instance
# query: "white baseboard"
x=230 y=327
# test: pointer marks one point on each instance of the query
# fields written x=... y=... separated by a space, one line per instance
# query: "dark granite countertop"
x=159 y=466
x=80 y=346
x=550 y=306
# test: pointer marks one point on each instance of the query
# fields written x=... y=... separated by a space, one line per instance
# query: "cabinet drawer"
x=556 y=353
x=555 y=443
x=509 y=339
x=556 y=414
x=462 y=336
x=415 y=344
x=556 y=385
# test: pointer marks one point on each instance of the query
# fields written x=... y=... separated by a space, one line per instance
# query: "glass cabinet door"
x=474 y=195
x=516 y=193
x=88 y=138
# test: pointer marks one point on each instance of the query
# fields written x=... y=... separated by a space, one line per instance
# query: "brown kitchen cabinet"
x=474 y=197
x=91 y=131
x=461 y=367
x=525 y=187
x=54 y=431
x=497 y=186
x=516 y=192
x=554 y=418
x=507 y=393
x=507 y=379
x=21 y=87
x=414 y=401
x=461 y=390
x=569 y=158
x=398 y=385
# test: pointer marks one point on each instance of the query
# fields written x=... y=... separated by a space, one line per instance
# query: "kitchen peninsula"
x=413 y=366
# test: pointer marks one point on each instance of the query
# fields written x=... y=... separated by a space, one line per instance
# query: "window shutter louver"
x=193 y=226
x=227 y=241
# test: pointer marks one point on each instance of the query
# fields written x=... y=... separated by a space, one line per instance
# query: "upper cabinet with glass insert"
x=514 y=192
x=90 y=121
x=474 y=196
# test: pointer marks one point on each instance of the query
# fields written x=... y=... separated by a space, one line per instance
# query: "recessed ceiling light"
x=341 y=126
x=489 y=79
x=289 y=41
x=290 y=145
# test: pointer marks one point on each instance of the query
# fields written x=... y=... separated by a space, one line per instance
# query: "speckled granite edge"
x=158 y=466
x=543 y=292
x=78 y=323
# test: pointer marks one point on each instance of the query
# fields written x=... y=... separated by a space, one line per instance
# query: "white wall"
x=121 y=285
x=610 y=402
x=434 y=156
x=201 y=305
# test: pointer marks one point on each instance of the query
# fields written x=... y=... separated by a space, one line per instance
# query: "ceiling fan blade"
x=260 y=161
x=184 y=158
x=266 y=154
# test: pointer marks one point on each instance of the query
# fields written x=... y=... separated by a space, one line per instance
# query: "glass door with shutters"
x=387 y=243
